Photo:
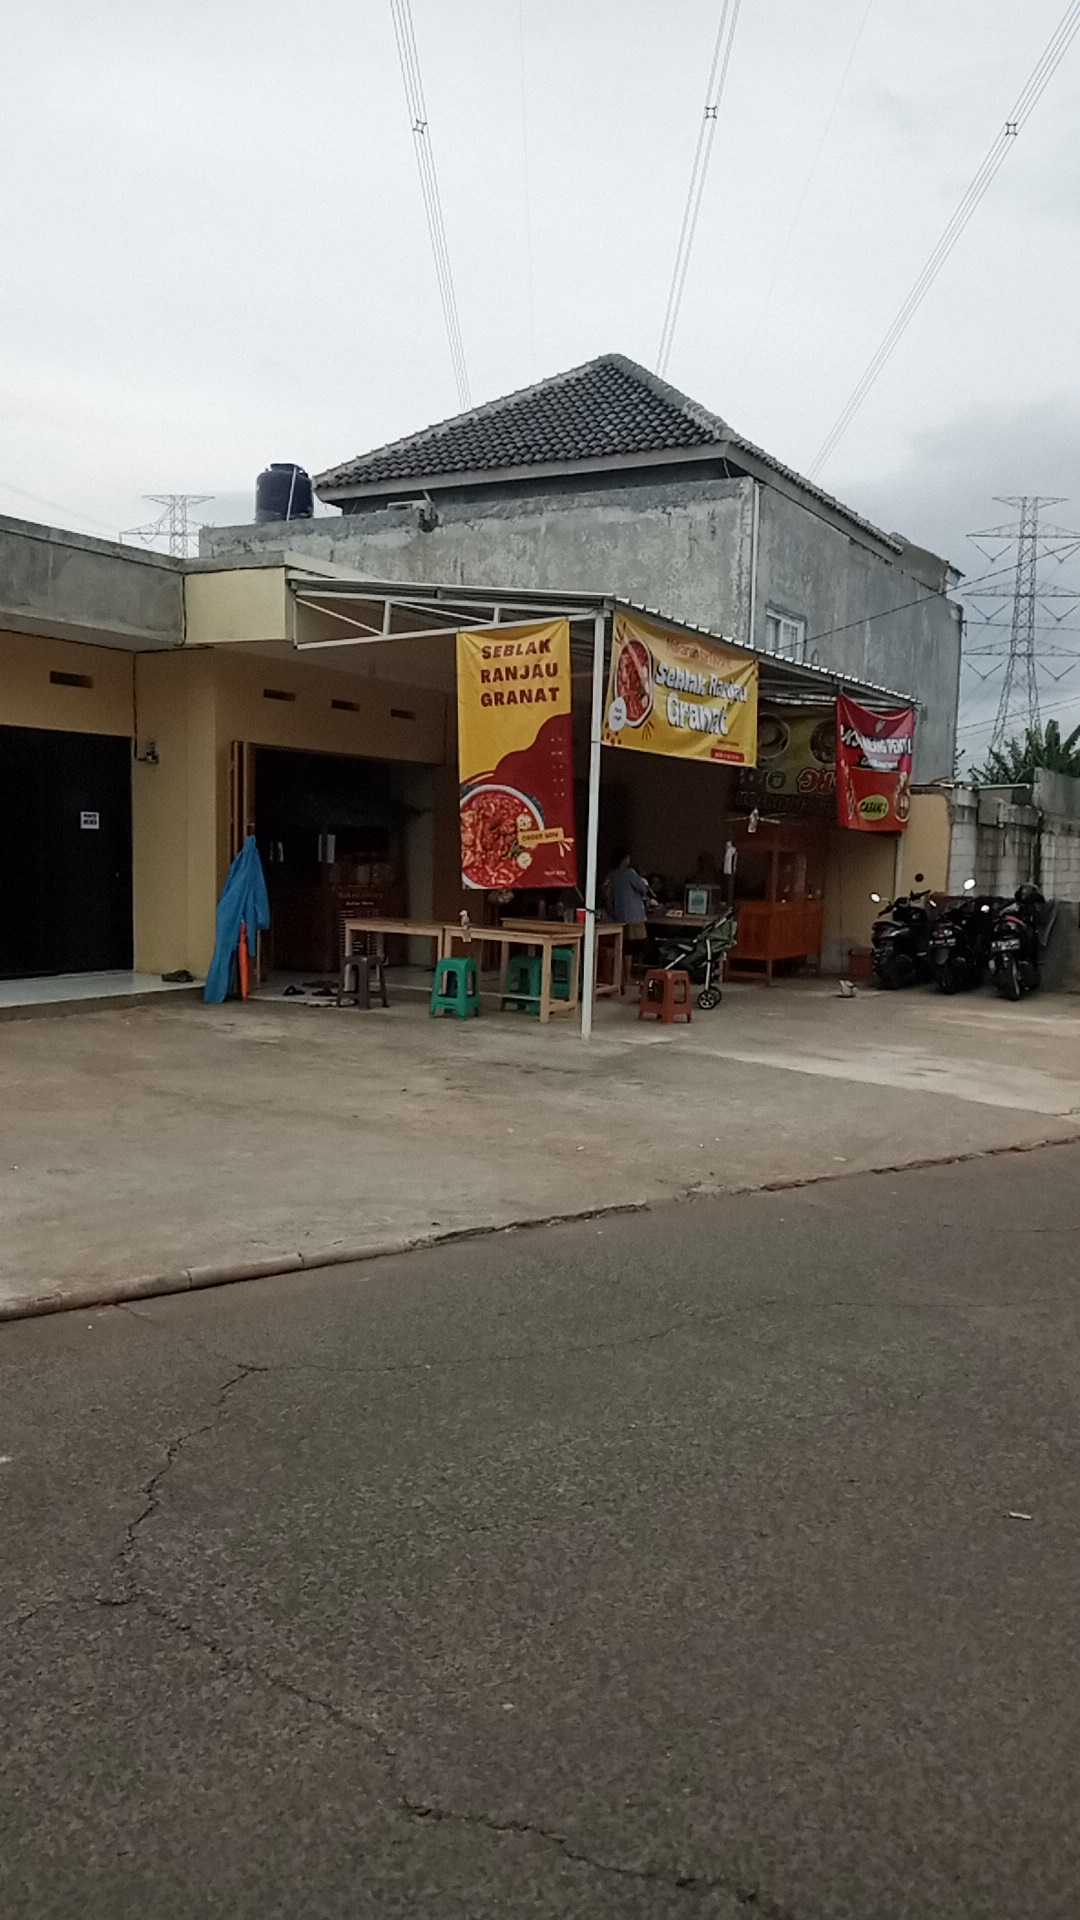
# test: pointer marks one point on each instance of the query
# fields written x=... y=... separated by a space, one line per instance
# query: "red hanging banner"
x=873 y=766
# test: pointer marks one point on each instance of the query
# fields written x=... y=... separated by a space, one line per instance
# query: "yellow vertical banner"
x=515 y=753
x=677 y=695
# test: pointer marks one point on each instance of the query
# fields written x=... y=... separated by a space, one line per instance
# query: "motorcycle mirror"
x=969 y=886
x=876 y=898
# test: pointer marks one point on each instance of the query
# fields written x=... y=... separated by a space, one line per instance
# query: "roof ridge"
x=653 y=416
x=486 y=408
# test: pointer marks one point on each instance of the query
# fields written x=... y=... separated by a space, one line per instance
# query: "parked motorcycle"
x=1018 y=941
x=901 y=938
x=960 y=941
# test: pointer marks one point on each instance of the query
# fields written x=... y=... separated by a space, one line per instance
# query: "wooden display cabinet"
x=779 y=888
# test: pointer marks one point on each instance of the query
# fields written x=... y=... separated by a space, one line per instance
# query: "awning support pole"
x=592 y=825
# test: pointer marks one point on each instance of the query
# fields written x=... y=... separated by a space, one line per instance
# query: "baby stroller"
x=700 y=952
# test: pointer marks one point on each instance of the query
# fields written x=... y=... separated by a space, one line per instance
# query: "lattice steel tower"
x=1018 y=706
x=173 y=523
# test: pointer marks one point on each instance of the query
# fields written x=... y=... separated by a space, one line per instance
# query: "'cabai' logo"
x=874 y=806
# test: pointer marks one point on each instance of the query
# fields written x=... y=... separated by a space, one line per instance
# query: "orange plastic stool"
x=665 y=996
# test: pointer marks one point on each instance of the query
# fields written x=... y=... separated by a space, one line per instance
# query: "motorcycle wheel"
x=948 y=978
x=708 y=998
x=890 y=976
x=1007 y=981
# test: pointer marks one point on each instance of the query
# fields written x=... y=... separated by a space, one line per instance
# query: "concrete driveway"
x=146 y=1145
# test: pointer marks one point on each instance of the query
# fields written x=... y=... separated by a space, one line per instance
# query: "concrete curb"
x=114 y=1293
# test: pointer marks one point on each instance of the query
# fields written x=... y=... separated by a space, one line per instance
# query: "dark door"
x=65 y=852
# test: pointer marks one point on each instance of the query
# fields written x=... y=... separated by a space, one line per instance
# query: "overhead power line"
x=1049 y=706
x=780 y=256
x=404 y=33
x=714 y=93
x=59 y=506
x=1042 y=72
x=530 y=278
x=934 y=593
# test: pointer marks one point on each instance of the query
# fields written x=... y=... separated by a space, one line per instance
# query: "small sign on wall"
x=90 y=821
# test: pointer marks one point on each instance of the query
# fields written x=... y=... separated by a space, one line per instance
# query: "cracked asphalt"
x=716 y=1561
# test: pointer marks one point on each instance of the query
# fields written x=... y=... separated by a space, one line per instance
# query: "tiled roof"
x=607 y=407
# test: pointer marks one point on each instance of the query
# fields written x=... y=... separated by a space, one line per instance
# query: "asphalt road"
x=720 y=1561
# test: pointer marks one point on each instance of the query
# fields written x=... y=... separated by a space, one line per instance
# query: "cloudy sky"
x=216 y=255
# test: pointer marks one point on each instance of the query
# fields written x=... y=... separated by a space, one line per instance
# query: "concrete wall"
x=61 y=583
x=682 y=546
x=685 y=546
x=811 y=571
x=1005 y=835
x=30 y=698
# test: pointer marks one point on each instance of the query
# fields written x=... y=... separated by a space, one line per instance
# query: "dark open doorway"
x=65 y=852
x=333 y=833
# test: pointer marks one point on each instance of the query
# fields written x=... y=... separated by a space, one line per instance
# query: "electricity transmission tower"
x=1018 y=705
x=173 y=523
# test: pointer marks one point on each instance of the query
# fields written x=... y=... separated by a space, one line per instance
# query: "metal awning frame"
x=479 y=609
x=451 y=610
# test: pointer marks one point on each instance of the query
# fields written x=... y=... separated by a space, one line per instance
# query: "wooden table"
x=412 y=929
x=544 y=935
x=612 y=930
x=672 y=922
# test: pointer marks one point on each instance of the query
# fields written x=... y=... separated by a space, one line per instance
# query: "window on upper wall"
x=785 y=636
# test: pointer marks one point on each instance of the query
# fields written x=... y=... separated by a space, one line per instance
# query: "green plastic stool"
x=562 y=967
x=523 y=977
x=455 y=989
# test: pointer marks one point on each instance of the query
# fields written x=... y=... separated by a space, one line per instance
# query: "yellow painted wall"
x=241 y=603
x=390 y=722
x=858 y=864
x=194 y=704
x=176 y=804
x=861 y=863
x=927 y=842
x=28 y=698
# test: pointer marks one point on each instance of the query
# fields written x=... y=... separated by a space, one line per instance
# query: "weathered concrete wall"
x=811 y=571
x=683 y=547
x=686 y=547
x=1005 y=835
x=69 y=586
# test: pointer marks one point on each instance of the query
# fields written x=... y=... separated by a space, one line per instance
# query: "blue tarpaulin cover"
x=243 y=898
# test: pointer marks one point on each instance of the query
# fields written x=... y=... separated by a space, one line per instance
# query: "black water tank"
x=283 y=492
